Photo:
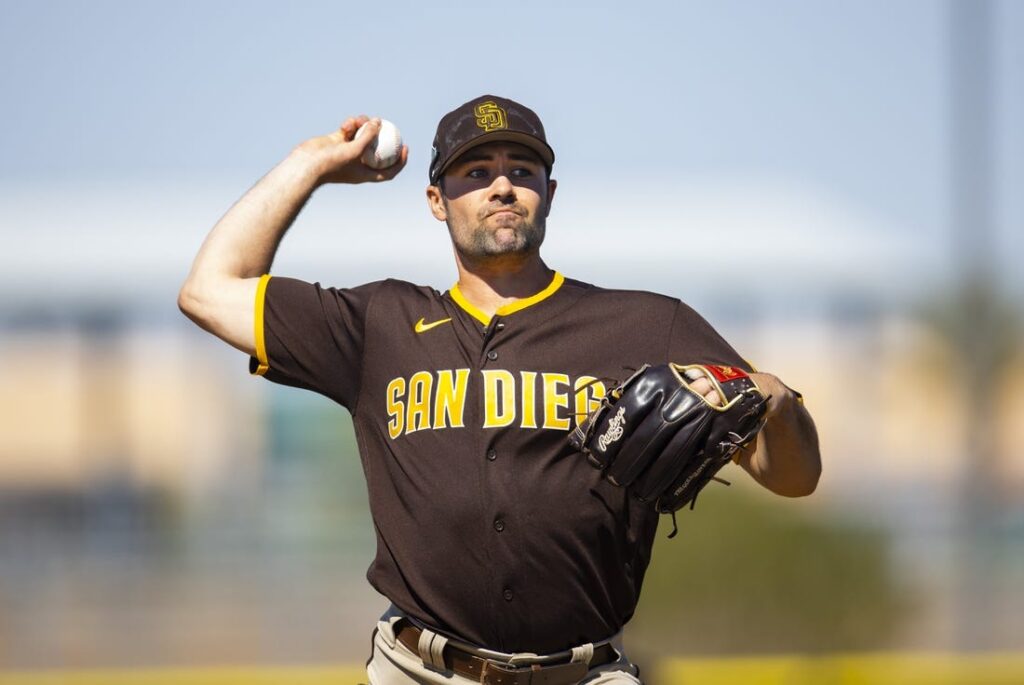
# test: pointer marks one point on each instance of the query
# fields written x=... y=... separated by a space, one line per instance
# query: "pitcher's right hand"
x=335 y=156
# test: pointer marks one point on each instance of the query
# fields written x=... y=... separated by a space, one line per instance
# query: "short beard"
x=477 y=241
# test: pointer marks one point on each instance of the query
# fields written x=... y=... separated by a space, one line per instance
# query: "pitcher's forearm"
x=790 y=463
x=786 y=457
x=243 y=243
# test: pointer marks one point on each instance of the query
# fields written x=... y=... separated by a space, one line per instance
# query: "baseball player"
x=506 y=556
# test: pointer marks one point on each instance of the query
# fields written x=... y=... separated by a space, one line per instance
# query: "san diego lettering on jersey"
x=432 y=400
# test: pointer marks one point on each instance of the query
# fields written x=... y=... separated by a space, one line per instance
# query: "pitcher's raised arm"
x=219 y=292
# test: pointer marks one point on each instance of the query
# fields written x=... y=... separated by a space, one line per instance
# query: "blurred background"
x=835 y=186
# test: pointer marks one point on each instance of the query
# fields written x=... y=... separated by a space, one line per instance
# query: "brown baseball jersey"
x=489 y=526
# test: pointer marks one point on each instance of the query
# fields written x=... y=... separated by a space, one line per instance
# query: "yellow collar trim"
x=511 y=307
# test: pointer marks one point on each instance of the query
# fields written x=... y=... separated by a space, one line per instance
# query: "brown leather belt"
x=491 y=672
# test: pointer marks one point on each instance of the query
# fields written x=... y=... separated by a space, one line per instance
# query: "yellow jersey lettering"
x=418 y=417
x=529 y=392
x=437 y=399
x=450 y=399
x=589 y=392
x=396 y=407
x=499 y=398
x=555 y=400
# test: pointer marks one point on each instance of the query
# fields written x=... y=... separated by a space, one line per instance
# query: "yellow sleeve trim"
x=261 y=347
x=479 y=315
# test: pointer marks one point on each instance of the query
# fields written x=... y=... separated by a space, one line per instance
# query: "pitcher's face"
x=495 y=200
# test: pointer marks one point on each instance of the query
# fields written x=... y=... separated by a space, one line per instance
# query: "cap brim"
x=542 y=149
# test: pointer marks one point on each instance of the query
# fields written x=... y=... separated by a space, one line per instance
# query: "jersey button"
x=492 y=355
x=507 y=594
x=499 y=525
x=492 y=455
x=500 y=326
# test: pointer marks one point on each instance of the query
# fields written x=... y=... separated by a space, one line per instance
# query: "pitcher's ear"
x=435 y=200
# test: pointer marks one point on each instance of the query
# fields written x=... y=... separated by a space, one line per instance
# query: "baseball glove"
x=659 y=437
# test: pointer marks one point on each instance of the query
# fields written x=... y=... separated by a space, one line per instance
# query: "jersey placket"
x=502 y=377
x=505 y=587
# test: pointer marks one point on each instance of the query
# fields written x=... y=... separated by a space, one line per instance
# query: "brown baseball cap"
x=486 y=119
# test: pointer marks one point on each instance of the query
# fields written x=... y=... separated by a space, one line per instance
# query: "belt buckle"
x=495 y=673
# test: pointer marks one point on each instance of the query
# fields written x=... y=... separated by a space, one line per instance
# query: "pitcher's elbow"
x=805 y=484
x=189 y=303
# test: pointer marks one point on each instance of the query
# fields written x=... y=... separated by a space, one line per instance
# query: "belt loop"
x=583 y=654
x=521 y=657
x=431 y=648
x=387 y=627
x=437 y=651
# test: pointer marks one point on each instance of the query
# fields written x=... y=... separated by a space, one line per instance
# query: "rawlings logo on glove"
x=658 y=436
x=614 y=430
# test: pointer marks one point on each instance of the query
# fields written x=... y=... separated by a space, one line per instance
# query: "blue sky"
x=810 y=140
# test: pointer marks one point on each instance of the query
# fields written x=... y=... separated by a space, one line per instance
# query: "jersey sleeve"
x=692 y=340
x=311 y=337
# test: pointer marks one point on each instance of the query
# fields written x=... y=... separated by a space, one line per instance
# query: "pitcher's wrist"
x=303 y=167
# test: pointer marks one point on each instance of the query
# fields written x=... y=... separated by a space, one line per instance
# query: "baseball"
x=385 y=149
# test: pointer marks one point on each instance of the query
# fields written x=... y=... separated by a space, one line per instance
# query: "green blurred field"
x=845 y=669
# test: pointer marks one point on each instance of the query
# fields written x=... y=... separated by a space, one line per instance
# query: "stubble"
x=497 y=230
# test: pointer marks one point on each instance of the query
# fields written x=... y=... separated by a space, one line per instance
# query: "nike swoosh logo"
x=423 y=327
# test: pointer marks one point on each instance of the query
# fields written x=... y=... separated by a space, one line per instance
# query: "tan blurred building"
x=150 y=406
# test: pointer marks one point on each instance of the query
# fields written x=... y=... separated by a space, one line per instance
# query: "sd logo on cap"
x=486 y=119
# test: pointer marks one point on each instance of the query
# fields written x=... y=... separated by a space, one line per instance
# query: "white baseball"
x=385 y=149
